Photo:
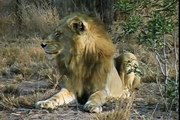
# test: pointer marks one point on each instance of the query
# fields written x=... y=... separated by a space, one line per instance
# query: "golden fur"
x=84 y=53
x=129 y=70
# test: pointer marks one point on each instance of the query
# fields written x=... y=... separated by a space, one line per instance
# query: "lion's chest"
x=83 y=90
x=83 y=96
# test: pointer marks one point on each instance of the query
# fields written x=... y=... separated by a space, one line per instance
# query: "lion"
x=84 y=53
x=129 y=71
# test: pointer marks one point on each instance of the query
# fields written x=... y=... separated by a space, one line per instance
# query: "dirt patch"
x=148 y=104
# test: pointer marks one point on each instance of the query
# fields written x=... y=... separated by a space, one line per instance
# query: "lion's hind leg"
x=61 y=98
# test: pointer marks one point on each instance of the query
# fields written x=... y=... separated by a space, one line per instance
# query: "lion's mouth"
x=50 y=50
x=52 y=55
x=47 y=52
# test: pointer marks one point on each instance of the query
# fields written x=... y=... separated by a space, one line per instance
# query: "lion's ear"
x=77 y=25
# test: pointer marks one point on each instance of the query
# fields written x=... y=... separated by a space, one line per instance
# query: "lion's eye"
x=58 y=34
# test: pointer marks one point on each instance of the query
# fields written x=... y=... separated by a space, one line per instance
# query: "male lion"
x=84 y=53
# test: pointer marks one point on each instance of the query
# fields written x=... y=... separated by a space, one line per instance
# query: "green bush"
x=155 y=29
x=132 y=24
x=153 y=20
x=125 y=6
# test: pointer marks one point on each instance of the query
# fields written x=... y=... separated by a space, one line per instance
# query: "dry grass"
x=20 y=59
x=5 y=23
x=39 y=19
x=122 y=110
x=34 y=19
x=10 y=102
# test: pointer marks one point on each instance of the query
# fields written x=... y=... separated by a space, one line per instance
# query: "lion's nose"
x=43 y=45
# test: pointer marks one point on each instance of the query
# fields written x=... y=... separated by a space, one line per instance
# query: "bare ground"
x=147 y=105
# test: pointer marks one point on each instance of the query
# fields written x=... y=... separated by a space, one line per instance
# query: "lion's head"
x=79 y=38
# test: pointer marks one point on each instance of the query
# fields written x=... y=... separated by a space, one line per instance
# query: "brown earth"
x=148 y=104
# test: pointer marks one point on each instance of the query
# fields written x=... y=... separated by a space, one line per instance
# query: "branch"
x=160 y=64
x=165 y=8
x=159 y=56
x=147 y=67
x=176 y=59
x=175 y=67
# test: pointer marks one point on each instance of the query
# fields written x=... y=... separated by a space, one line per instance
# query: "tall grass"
x=34 y=18
x=39 y=19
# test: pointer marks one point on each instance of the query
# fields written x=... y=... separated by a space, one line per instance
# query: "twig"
x=160 y=65
x=155 y=109
x=147 y=67
x=167 y=6
x=165 y=64
x=159 y=56
x=165 y=102
x=175 y=67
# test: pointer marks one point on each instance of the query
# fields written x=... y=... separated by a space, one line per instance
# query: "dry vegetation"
x=27 y=76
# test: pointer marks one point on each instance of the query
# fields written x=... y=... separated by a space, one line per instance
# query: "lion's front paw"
x=126 y=94
x=45 y=104
x=92 y=107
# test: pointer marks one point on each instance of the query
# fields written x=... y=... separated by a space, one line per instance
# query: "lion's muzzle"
x=43 y=45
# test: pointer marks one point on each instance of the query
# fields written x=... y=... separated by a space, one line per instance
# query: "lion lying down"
x=84 y=53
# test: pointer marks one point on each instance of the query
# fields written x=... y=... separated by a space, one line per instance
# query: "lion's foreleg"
x=122 y=78
x=95 y=101
x=61 y=98
x=136 y=82
x=129 y=80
